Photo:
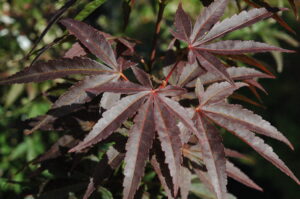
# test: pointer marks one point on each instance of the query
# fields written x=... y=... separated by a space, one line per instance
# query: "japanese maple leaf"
x=194 y=154
x=239 y=121
x=156 y=112
x=109 y=69
x=188 y=74
x=207 y=28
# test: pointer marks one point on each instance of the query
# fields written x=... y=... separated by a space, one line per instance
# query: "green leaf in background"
x=14 y=92
x=276 y=55
x=105 y=194
x=88 y=9
x=200 y=190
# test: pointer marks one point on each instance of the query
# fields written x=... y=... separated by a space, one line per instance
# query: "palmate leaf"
x=166 y=114
x=241 y=122
x=95 y=42
x=207 y=28
x=42 y=71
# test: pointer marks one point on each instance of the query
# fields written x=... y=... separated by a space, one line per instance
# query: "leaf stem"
x=165 y=82
x=161 y=9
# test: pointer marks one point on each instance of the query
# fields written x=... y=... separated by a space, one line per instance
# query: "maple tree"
x=177 y=139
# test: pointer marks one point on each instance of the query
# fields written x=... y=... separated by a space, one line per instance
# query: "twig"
x=161 y=9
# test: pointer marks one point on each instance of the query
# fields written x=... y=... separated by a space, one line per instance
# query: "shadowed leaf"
x=93 y=40
x=111 y=120
x=42 y=71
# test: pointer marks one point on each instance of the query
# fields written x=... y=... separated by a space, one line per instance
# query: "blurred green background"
x=22 y=21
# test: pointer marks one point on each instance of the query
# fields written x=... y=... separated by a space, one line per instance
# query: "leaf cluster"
x=172 y=122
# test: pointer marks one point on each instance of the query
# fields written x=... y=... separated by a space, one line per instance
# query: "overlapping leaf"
x=165 y=112
x=240 y=121
x=207 y=28
x=96 y=43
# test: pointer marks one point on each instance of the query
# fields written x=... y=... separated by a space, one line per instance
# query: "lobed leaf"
x=241 y=20
x=73 y=98
x=124 y=87
x=93 y=40
x=213 y=155
x=231 y=47
x=109 y=99
x=218 y=92
x=142 y=77
x=179 y=112
x=138 y=145
x=75 y=51
x=171 y=91
x=162 y=171
x=251 y=61
x=236 y=117
x=208 y=18
x=199 y=90
x=168 y=134
x=213 y=65
x=235 y=73
x=111 y=120
x=186 y=181
x=183 y=23
x=42 y=71
x=238 y=175
x=264 y=150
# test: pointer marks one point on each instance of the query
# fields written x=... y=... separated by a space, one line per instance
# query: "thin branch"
x=161 y=9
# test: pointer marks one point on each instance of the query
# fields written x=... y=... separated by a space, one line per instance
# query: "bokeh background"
x=21 y=23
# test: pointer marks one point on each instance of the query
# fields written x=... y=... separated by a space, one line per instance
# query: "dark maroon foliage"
x=176 y=138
